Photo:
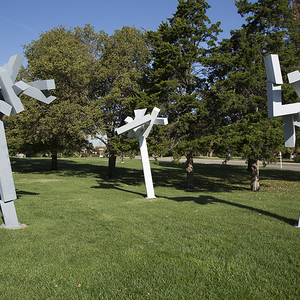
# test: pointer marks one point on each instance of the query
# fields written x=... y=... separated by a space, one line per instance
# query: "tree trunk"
x=253 y=167
x=190 y=170
x=54 y=161
x=111 y=165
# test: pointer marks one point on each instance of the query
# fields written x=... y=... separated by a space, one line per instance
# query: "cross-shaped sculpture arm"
x=140 y=127
x=10 y=103
x=10 y=90
x=142 y=123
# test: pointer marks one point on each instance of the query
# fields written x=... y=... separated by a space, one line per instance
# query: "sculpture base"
x=9 y=214
x=150 y=197
x=15 y=227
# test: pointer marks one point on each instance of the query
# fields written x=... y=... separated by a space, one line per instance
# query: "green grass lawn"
x=93 y=238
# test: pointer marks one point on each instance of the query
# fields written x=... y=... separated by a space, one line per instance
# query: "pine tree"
x=239 y=79
x=177 y=80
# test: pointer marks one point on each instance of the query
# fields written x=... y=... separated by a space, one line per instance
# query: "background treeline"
x=213 y=93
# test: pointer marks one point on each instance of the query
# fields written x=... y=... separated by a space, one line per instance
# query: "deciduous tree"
x=63 y=55
x=119 y=76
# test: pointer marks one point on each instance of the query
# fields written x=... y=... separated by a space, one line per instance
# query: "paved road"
x=286 y=166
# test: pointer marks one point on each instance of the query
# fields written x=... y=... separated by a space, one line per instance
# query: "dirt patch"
x=37 y=180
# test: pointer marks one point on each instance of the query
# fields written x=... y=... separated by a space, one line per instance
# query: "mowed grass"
x=93 y=238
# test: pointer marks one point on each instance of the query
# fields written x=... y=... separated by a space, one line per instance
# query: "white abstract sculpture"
x=10 y=103
x=140 y=127
x=290 y=112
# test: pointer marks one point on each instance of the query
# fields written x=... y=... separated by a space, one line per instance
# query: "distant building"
x=100 y=150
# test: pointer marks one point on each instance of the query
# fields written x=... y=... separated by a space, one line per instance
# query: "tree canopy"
x=119 y=76
x=239 y=79
x=214 y=96
x=178 y=47
x=58 y=54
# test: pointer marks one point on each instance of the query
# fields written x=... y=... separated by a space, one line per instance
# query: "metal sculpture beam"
x=140 y=127
x=289 y=112
x=10 y=103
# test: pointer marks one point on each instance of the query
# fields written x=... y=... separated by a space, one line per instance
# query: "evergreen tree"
x=238 y=78
x=178 y=47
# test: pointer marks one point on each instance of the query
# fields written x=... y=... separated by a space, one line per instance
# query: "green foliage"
x=177 y=79
x=214 y=97
x=238 y=78
x=62 y=55
x=92 y=238
x=296 y=158
x=119 y=80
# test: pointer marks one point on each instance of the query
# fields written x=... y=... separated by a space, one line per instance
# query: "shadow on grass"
x=204 y=200
x=212 y=178
x=112 y=185
x=173 y=175
x=21 y=193
x=67 y=167
x=278 y=174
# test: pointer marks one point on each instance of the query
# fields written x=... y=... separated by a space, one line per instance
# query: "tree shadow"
x=213 y=178
x=67 y=167
x=30 y=165
x=278 y=174
x=207 y=178
x=204 y=200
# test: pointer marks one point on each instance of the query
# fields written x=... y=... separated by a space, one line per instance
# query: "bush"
x=297 y=158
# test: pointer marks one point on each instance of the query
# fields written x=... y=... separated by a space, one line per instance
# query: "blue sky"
x=23 y=21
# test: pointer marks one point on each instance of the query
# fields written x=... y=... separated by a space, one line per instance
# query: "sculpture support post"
x=146 y=167
x=7 y=187
x=140 y=127
x=298 y=225
x=10 y=103
x=9 y=215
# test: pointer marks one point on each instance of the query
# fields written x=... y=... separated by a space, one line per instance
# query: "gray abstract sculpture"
x=290 y=113
x=140 y=127
x=10 y=103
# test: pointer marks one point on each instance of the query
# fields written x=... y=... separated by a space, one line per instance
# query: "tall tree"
x=179 y=46
x=62 y=55
x=119 y=78
x=239 y=79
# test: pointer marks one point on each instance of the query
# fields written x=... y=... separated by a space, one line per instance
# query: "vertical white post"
x=7 y=187
x=280 y=155
x=146 y=167
x=9 y=215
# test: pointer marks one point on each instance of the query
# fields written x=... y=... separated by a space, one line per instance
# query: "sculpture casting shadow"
x=216 y=178
x=205 y=200
x=208 y=178
x=21 y=193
